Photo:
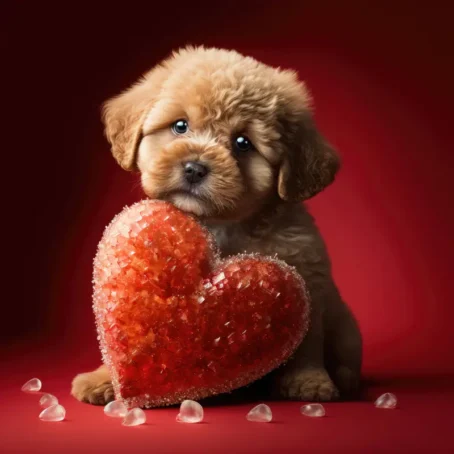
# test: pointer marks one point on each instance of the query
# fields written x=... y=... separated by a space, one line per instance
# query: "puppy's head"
x=219 y=135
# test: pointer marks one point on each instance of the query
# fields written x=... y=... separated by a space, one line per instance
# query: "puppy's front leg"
x=93 y=387
x=304 y=377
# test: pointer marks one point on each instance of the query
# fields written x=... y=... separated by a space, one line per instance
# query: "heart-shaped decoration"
x=175 y=322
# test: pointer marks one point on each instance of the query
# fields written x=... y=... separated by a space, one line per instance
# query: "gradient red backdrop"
x=382 y=82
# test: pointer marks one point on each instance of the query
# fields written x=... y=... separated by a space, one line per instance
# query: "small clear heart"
x=190 y=412
x=313 y=410
x=260 y=413
x=54 y=413
x=32 y=386
x=116 y=409
x=387 y=401
x=47 y=400
x=135 y=417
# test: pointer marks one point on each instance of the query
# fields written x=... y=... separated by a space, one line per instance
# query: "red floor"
x=422 y=423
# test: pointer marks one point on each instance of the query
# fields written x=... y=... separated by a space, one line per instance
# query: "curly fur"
x=251 y=202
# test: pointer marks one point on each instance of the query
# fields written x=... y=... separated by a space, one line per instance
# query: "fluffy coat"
x=251 y=201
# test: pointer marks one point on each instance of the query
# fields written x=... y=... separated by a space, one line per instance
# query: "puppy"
x=233 y=142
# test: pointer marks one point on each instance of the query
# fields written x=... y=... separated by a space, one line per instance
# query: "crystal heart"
x=32 y=386
x=313 y=410
x=47 y=400
x=260 y=413
x=190 y=412
x=135 y=417
x=54 y=413
x=175 y=322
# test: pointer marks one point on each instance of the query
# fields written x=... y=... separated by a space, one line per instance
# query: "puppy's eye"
x=242 y=144
x=180 y=127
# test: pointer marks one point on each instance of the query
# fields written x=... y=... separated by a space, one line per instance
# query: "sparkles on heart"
x=175 y=322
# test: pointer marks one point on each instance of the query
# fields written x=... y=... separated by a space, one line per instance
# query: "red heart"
x=175 y=322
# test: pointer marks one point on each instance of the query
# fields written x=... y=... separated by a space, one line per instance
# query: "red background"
x=382 y=84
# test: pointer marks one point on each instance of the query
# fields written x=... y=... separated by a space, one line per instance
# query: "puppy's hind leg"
x=344 y=353
x=93 y=387
x=304 y=377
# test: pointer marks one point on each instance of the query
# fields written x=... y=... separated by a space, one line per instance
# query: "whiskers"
x=137 y=184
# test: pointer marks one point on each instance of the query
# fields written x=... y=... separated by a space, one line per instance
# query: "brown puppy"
x=232 y=141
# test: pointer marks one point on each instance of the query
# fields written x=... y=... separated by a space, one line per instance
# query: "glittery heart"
x=175 y=322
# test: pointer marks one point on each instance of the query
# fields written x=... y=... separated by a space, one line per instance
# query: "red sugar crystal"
x=175 y=322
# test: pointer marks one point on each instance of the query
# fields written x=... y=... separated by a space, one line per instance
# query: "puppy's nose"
x=194 y=172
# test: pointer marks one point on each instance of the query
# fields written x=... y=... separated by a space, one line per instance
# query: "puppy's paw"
x=312 y=385
x=93 y=388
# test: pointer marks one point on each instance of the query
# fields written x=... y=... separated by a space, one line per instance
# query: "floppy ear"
x=124 y=114
x=309 y=165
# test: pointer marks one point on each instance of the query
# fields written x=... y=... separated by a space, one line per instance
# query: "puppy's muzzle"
x=194 y=172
